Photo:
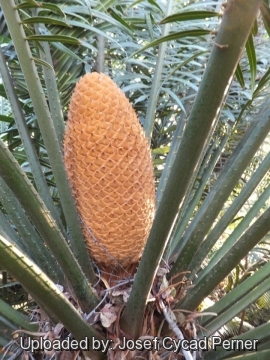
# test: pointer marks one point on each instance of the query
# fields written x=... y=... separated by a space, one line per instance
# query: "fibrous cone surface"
x=108 y=162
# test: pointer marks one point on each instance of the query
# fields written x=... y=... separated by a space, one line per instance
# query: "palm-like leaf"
x=55 y=44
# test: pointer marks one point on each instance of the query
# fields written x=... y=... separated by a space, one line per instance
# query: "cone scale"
x=108 y=162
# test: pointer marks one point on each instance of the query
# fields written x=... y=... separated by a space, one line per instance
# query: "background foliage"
x=159 y=61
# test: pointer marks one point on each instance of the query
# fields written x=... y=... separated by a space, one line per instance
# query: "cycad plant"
x=197 y=75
